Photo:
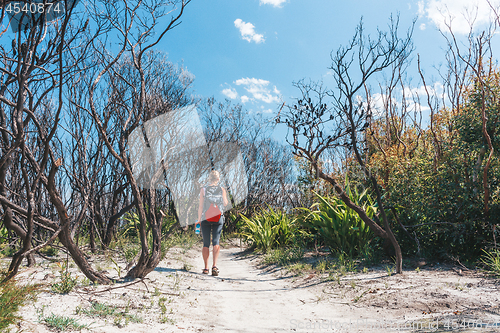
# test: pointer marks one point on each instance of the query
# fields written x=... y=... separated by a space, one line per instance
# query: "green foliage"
x=164 y=318
x=469 y=122
x=12 y=297
x=299 y=268
x=283 y=256
x=6 y=250
x=182 y=239
x=338 y=226
x=167 y=223
x=269 y=229
x=49 y=251
x=66 y=283
x=491 y=260
x=102 y=310
x=3 y=234
x=62 y=323
x=131 y=227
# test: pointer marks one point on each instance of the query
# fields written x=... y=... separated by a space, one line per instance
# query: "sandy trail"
x=247 y=298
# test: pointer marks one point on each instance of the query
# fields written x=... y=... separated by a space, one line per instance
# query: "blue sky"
x=251 y=51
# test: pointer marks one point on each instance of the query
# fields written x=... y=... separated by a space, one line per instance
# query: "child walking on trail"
x=213 y=199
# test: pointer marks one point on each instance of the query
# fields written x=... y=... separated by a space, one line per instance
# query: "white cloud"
x=458 y=14
x=230 y=93
x=264 y=110
x=423 y=26
x=436 y=90
x=413 y=97
x=244 y=99
x=275 y=3
x=259 y=90
x=247 y=31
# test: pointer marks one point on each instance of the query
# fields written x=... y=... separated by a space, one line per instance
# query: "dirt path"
x=245 y=298
x=176 y=297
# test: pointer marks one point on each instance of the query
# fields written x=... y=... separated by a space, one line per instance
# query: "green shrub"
x=339 y=227
x=66 y=283
x=62 y=323
x=6 y=250
x=12 y=297
x=269 y=229
x=283 y=256
x=131 y=227
x=103 y=310
x=492 y=262
x=49 y=251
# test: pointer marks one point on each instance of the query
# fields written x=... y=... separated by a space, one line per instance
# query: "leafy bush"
x=269 y=229
x=131 y=226
x=283 y=256
x=339 y=227
x=49 y=251
x=67 y=282
x=62 y=323
x=492 y=262
x=12 y=297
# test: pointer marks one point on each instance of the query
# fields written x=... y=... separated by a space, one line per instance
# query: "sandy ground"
x=247 y=297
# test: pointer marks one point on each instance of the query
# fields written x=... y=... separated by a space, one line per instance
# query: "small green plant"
x=156 y=292
x=388 y=270
x=283 y=256
x=131 y=251
x=66 y=283
x=365 y=270
x=102 y=310
x=164 y=318
x=12 y=297
x=62 y=323
x=97 y=310
x=491 y=260
x=417 y=269
x=184 y=240
x=321 y=266
x=6 y=250
x=345 y=264
x=176 y=282
x=299 y=268
x=357 y=298
x=49 y=251
x=117 y=267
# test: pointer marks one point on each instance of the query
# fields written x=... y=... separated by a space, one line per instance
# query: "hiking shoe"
x=215 y=271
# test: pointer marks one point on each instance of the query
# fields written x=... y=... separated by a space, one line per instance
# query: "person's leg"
x=216 y=251
x=205 y=231
x=205 y=252
x=217 y=229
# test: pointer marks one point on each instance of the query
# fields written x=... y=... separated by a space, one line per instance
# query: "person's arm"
x=224 y=197
x=200 y=207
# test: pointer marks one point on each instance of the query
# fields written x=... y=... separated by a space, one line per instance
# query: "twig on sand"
x=122 y=286
x=130 y=284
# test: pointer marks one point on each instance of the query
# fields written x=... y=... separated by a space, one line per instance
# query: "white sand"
x=246 y=298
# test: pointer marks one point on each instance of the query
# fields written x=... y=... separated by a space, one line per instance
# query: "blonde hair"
x=214 y=176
